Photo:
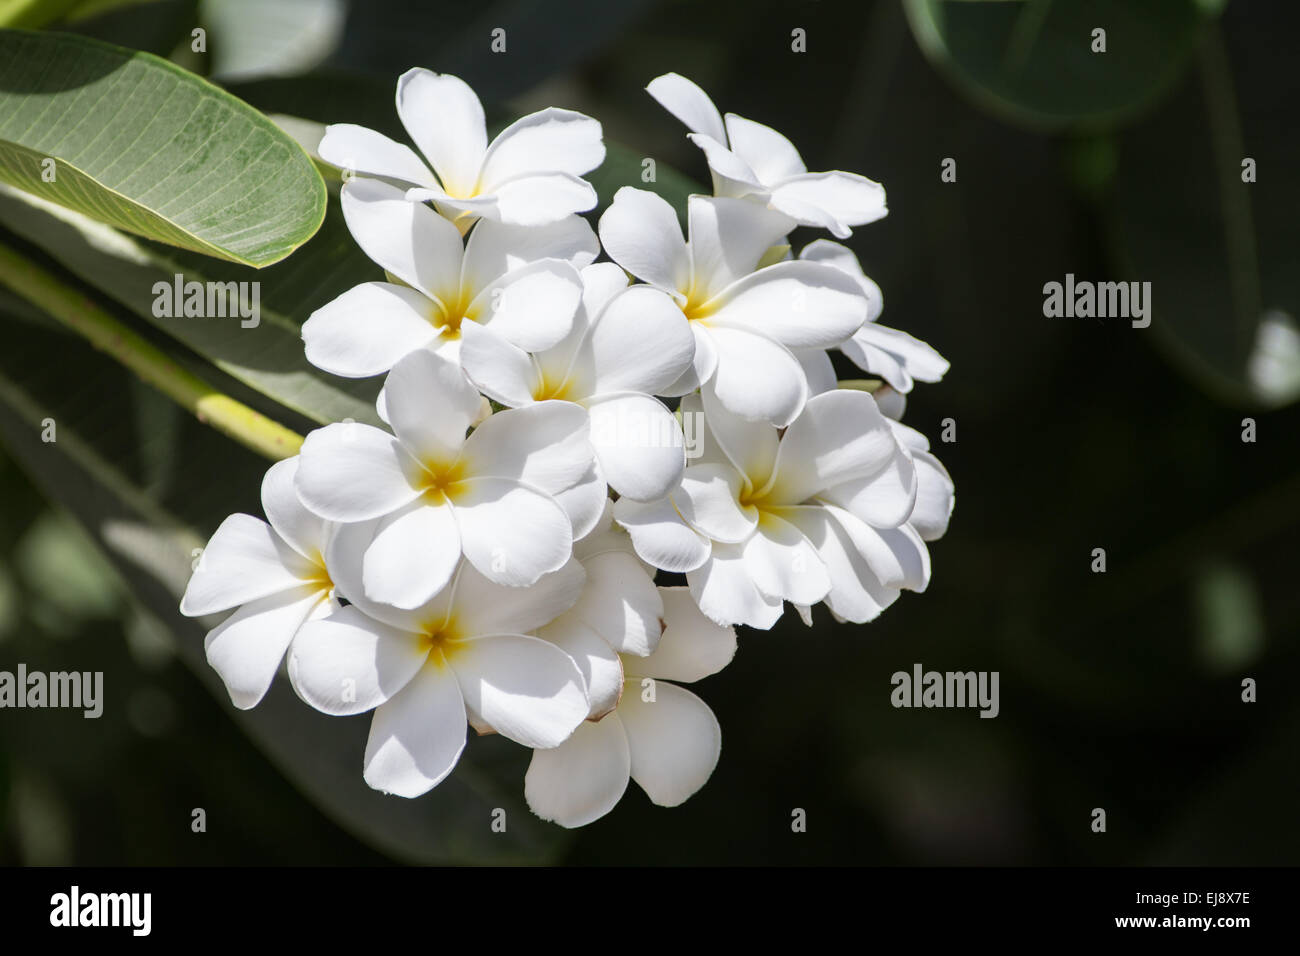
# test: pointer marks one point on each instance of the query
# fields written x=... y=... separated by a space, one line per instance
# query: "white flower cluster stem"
x=466 y=567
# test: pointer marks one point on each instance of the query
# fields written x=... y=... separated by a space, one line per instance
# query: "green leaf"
x=143 y=145
x=1033 y=62
x=34 y=13
x=267 y=357
x=1218 y=249
x=94 y=470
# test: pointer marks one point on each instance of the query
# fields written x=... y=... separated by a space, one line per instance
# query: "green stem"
x=206 y=403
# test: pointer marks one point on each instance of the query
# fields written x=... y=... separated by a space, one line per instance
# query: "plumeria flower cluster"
x=573 y=414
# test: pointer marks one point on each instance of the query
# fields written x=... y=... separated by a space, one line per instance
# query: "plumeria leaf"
x=266 y=356
x=1217 y=242
x=135 y=141
x=95 y=471
x=1034 y=62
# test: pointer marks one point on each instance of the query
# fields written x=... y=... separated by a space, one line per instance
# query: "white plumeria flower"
x=520 y=283
x=660 y=735
x=620 y=612
x=754 y=161
x=530 y=175
x=745 y=522
x=745 y=319
x=437 y=495
x=895 y=356
x=274 y=573
x=871 y=564
x=627 y=343
x=465 y=656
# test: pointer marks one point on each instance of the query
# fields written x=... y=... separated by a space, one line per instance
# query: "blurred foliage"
x=1119 y=690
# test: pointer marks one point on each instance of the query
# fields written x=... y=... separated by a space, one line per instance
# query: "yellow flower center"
x=439 y=483
x=548 y=389
x=697 y=307
x=450 y=310
x=441 y=640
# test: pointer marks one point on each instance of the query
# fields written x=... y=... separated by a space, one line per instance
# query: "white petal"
x=731 y=174
x=703 y=364
x=640 y=342
x=660 y=535
x=349 y=471
x=533 y=306
x=846 y=262
x=524 y=688
x=481 y=606
x=601 y=670
x=892 y=402
x=345 y=553
x=365 y=151
x=368 y=329
x=726 y=593
x=728 y=237
x=708 y=498
x=510 y=532
x=750 y=446
x=550 y=140
x=244 y=560
x=783 y=564
x=585 y=501
x=856 y=592
x=818 y=369
x=883 y=500
x=499 y=369
x=934 y=497
x=757 y=378
x=841 y=257
x=445 y=119
x=915 y=358
x=620 y=603
x=407 y=239
x=348 y=663
x=601 y=281
x=850 y=199
x=638 y=444
x=546 y=444
x=912 y=554
x=417 y=737
x=770 y=155
x=535 y=200
x=640 y=232
x=301 y=529
x=877 y=361
x=881 y=555
x=496 y=248
x=692 y=646
x=430 y=405
x=799 y=304
x=674 y=742
x=690 y=104
x=840 y=436
x=247 y=647
x=413 y=555
x=582 y=779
